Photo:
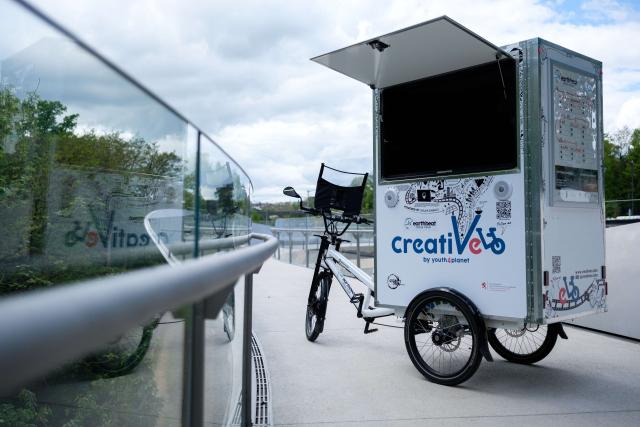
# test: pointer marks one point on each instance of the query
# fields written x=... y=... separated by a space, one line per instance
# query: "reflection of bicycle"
x=123 y=354
x=229 y=317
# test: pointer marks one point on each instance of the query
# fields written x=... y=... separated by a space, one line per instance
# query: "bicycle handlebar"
x=336 y=218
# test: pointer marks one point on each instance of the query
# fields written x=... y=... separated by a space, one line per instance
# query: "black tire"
x=317 y=307
x=445 y=332
x=124 y=355
x=524 y=346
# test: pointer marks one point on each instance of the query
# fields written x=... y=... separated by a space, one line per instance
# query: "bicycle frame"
x=331 y=259
x=334 y=257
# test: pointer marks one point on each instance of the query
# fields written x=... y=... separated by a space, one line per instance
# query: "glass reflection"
x=98 y=178
x=224 y=218
x=85 y=156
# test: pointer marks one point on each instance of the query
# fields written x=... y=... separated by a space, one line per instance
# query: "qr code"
x=555 y=264
x=503 y=209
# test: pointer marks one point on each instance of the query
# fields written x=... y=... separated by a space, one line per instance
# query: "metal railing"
x=306 y=242
x=62 y=322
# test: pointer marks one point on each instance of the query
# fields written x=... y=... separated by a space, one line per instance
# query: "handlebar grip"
x=311 y=211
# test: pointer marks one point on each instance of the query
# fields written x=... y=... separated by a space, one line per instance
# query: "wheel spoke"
x=446 y=346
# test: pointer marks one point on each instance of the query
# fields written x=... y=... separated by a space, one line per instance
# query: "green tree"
x=367 y=198
x=622 y=170
x=38 y=136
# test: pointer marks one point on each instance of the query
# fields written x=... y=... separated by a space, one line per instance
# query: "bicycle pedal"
x=356 y=299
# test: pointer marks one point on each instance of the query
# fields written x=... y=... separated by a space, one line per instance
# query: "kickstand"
x=366 y=327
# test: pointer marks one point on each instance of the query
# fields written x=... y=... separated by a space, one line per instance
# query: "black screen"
x=455 y=123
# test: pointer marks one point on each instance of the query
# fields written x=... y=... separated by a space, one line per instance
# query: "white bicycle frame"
x=332 y=259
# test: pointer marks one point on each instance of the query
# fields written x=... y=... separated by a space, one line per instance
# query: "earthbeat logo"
x=474 y=241
x=410 y=223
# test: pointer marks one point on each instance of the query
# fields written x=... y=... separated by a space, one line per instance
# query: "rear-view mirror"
x=289 y=191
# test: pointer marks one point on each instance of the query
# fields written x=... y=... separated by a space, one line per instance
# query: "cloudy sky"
x=240 y=70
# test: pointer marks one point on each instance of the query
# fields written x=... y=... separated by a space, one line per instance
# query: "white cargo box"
x=487 y=170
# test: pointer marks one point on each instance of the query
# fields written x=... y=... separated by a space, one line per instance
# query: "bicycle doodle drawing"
x=565 y=295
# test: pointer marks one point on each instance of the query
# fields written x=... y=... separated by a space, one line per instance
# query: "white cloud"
x=599 y=10
x=240 y=70
x=629 y=113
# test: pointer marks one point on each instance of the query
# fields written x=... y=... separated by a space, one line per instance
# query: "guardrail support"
x=306 y=247
x=247 y=387
x=197 y=365
x=357 y=236
x=290 y=248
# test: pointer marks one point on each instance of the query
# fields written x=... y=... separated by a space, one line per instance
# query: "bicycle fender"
x=559 y=329
x=483 y=338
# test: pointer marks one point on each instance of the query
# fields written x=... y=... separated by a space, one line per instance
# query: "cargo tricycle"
x=488 y=186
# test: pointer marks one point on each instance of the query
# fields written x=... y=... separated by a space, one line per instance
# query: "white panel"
x=573 y=232
x=493 y=276
x=623 y=276
x=428 y=49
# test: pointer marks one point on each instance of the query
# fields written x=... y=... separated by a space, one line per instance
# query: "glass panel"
x=85 y=158
x=224 y=199
x=223 y=361
x=575 y=135
x=224 y=225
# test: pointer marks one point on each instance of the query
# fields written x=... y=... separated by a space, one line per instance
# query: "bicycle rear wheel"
x=527 y=345
x=317 y=307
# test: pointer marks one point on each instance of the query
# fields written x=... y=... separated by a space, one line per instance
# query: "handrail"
x=278 y=231
x=319 y=230
x=68 y=322
x=182 y=248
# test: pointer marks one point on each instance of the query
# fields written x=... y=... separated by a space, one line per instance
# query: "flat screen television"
x=463 y=122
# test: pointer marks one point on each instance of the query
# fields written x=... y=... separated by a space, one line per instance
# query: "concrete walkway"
x=348 y=378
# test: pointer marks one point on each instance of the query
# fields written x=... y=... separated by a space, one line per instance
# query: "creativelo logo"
x=108 y=235
x=475 y=241
x=409 y=223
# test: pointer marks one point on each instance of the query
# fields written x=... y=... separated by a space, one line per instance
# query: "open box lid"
x=433 y=47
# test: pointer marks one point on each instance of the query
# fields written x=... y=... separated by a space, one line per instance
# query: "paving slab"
x=348 y=378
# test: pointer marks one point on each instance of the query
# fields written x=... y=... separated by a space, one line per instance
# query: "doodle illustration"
x=456 y=197
x=565 y=295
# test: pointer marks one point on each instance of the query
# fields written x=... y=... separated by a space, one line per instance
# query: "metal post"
x=247 y=388
x=357 y=236
x=197 y=367
x=306 y=248
x=632 y=173
x=278 y=237
x=290 y=247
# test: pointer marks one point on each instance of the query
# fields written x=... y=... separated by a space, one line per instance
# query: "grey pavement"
x=348 y=378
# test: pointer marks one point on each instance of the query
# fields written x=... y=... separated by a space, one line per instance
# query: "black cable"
x=388 y=326
x=504 y=89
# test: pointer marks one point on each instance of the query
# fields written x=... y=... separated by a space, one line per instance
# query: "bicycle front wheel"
x=317 y=307
x=442 y=338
